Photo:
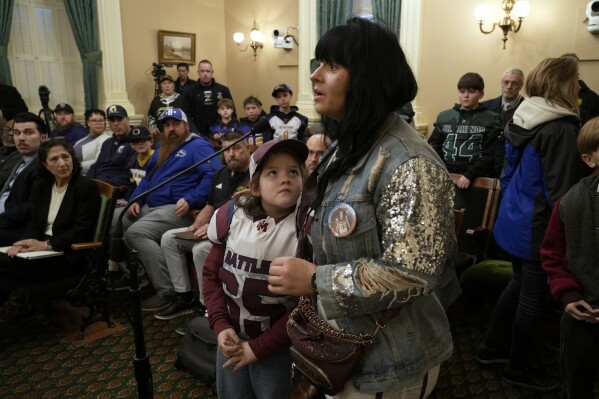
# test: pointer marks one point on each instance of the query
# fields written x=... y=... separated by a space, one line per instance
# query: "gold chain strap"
x=307 y=310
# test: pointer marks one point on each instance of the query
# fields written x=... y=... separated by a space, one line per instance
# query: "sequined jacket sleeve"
x=415 y=220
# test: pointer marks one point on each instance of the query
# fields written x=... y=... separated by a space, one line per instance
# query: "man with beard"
x=112 y=165
x=168 y=207
x=66 y=127
x=227 y=181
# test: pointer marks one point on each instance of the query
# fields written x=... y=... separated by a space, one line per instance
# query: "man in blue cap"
x=112 y=163
x=169 y=207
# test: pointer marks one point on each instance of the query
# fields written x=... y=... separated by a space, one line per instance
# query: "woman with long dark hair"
x=382 y=226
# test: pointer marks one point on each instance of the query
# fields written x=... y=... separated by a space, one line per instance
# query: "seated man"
x=9 y=154
x=29 y=132
x=66 y=126
x=230 y=179
x=168 y=207
x=317 y=145
x=112 y=163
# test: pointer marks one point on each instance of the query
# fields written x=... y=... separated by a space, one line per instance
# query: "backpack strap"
x=223 y=220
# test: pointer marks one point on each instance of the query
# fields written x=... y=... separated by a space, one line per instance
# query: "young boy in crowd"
x=284 y=119
x=141 y=142
x=465 y=135
x=569 y=256
x=253 y=112
x=225 y=109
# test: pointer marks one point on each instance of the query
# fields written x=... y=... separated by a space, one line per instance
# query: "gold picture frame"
x=176 y=47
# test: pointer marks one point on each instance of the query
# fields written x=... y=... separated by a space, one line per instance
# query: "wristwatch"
x=49 y=246
x=313 y=283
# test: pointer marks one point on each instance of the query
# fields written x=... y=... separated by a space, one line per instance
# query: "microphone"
x=118 y=252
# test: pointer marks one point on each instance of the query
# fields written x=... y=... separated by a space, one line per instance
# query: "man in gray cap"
x=66 y=126
x=112 y=163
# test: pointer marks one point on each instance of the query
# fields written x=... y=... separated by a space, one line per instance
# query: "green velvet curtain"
x=389 y=12
x=6 y=7
x=330 y=13
x=83 y=16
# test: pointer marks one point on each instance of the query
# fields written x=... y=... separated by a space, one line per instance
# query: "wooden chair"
x=480 y=201
x=89 y=288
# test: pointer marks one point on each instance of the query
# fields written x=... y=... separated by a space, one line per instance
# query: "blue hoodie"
x=541 y=164
x=193 y=186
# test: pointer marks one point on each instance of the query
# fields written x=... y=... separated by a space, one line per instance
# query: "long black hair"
x=380 y=81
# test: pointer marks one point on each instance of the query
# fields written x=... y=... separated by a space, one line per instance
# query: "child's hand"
x=217 y=136
x=463 y=183
x=246 y=357
x=229 y=343
x=582 y=311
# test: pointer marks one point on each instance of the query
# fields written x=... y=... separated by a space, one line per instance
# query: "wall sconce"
x=521 y=9
x=256 y=38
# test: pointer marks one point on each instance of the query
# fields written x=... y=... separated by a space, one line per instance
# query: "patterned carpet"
x=38 y=361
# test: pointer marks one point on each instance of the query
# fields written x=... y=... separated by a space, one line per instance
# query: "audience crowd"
x=526 y=137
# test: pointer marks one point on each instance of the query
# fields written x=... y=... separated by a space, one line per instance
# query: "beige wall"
x=214 y=23
x=449 y=48
x=453 y=45
x=272 y=66
x=141 y=20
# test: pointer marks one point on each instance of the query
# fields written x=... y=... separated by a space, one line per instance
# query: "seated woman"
x=88 y=148
x=65 y=207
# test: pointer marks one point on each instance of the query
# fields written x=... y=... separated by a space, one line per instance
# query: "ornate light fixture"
x=256 y=38
x=521 y=8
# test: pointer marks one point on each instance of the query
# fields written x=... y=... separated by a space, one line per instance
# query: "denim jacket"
x=397 y=255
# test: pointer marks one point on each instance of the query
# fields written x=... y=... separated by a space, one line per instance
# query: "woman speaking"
x=65 y=207
x=382 y=225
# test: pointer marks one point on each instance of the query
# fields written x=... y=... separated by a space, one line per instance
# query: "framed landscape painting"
x=175 y=47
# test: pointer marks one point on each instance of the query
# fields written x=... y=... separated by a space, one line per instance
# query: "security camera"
x=277 y=32
x=593 y=16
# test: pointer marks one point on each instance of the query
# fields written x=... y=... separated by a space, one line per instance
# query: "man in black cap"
x=113 y=161
x=66 y=126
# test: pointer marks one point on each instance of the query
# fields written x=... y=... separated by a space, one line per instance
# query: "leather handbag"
x=324 y=355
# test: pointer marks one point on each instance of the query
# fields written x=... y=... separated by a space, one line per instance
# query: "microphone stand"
x=118 y=250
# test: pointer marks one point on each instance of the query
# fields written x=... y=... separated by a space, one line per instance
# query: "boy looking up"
x=569 y=256
x=465 y=135
x=227 y=123
x=284 y=119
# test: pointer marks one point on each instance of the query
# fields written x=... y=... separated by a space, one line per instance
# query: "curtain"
x=330 y=13
x=83 y=16
x=6 y=7
x=387 y=11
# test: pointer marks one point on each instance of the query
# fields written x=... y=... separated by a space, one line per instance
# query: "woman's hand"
x=14 y=250
x=29 y=245
x=246 y=357
x=229 y=343
x=290 y=276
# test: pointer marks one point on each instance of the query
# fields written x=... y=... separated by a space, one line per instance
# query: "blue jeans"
x=267 y=378
x=579 y=357
x=517 y=311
